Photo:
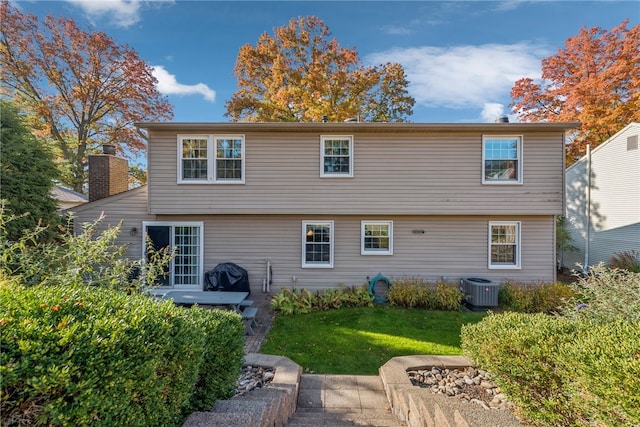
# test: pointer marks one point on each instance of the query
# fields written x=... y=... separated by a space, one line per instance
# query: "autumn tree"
x=82 y=88
x=300 y=74
x=594 y=79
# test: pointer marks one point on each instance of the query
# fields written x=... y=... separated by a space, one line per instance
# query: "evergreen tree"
x=27 y=171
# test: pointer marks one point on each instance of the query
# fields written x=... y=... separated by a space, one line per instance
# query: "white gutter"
x=588 y=212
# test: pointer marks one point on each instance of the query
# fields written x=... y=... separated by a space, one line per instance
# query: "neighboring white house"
x=67 y=198
x=603 y=200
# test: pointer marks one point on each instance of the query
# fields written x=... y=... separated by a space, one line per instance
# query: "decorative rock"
x=253 y=377
x=469 y=386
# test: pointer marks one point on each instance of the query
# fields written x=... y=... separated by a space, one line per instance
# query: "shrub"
x=81 y=355
x=409 y=292
x=629 y=260
x=75 y=356
x=89 y=258
x=301 y=301
x=223 y=356
x=533 y=298
x=561 y=371
x=416 y=292
x=515 y=296
x=606 y=294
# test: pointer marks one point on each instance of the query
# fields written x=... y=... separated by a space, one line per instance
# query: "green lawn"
x=360 y=340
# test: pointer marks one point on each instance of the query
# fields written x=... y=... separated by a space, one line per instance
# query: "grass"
x=359 y=340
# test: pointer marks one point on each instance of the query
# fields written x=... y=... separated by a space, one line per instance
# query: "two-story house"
x=336 y=203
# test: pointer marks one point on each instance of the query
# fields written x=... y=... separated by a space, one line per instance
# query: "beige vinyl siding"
x=399 y=173
x=451 y=247
x=129 y=207
x=615 y=201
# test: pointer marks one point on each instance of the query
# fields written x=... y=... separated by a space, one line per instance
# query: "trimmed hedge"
x=223 y=357
x=82 y=355
x=560 y=371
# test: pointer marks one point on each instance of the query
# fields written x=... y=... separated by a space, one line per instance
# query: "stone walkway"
x=264 y=319
x=342 y=400
x=385 y=400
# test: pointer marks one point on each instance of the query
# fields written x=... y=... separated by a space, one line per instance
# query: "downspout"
x=588 y=212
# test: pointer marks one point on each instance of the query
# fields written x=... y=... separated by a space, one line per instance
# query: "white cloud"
x=122 y=13
x=464 y=76
x=168 y=85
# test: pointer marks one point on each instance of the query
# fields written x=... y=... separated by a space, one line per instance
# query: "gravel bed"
x=470 y=385
x=253 y=377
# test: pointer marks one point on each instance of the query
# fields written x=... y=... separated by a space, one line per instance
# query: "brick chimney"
x=108 y=174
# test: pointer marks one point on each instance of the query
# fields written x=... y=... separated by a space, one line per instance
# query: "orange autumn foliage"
x=300 y=74
x=594 y=79
x=80 y=88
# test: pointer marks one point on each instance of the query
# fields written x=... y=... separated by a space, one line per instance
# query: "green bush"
x=560 y=371
x=223 y=356
x=82 y=355
x=533 y=298
x=89 y=258
x=416 y=292
x=301 y=301
x=606 y=294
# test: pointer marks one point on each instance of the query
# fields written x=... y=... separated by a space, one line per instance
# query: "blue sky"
x=461 y=57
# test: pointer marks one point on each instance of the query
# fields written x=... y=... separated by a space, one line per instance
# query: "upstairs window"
x=502 y=160
x=193 y=153
x=376 y=238
x=336 y=159
x=229 y=154
x=211 y=159
x=504 y=245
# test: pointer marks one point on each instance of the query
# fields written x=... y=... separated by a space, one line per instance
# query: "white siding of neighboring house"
x=615 y=201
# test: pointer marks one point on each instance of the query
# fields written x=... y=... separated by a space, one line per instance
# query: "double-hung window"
x=501 y=159
x=186 y=268
x=376 y=238
x=336 y=156
x=211 y=159
x=504 y=245
x=317 y=244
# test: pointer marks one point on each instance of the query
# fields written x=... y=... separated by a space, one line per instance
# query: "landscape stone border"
x=420 y=407
x=269 y=406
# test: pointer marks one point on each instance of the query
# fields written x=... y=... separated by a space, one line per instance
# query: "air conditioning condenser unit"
x=480 y=293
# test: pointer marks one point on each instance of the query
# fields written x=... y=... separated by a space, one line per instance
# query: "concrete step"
x=314 y=417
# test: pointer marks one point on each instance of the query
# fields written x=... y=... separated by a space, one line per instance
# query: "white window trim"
x=172 y=224
x=211 y=159
x=324 y=174
x=518 y=264
x=518 y=181
x=365 y=251
x=304 y=242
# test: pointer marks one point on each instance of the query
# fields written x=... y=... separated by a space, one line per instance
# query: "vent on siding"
x=632 y=143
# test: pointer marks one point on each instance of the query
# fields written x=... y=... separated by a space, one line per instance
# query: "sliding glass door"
x=186 y=268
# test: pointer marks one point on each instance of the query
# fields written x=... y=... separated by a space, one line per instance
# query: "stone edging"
x=269 y=406
x=420 y=407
